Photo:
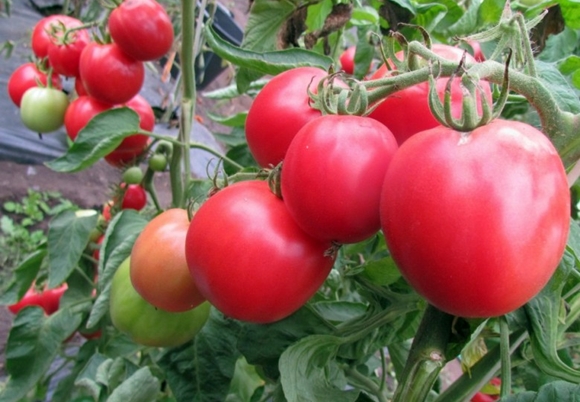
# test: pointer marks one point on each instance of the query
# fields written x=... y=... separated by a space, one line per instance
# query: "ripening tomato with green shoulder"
x=42 y=109
x=406 y=112
x=477 y=222
x=159 y=271
x=146 y=324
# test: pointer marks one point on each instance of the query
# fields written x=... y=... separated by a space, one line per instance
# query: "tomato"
x=142 y=29
x=41 y=33
x=80 y=87
x=280 y=109
x=477 y=222
x=481 y=397
x=159 y=272
x=146 y=324
x=133 y=146
x=133 y=175
x=157 y=162
x=80 y=112
x=407 y=112
x=47 y=299
x=28 y=76
x=134 y=197
x=249 y=258
x=346 y=60
x=64 y=51
x=110 y=75
x=332 y=176
x=43 y=109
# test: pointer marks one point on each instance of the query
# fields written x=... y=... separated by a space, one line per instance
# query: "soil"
x=91 y=188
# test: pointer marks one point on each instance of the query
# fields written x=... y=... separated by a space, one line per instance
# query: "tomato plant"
x=28 y=76
x=394 y=113
x=146 y=324
x=281 y=108
x=142 y=29
x=110 y=75
x=166 y=235
x=43 y=109
x=518 y=209
x=332 y=176
x=245 y=228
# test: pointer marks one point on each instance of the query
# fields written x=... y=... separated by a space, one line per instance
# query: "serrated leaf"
x=68 y=236
x=265 y=19
x=237 y=120
x=22 y=277
x=203 y=369
x=142 y=386
x=116 y=247
x=308 y=371
x=264 y=63
x=33 y=343
x=100 y=136
x=231 y=91
x=560 y=46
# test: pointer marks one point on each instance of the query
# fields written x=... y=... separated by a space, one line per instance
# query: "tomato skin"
x=248 y=257
x=25 y=77
x=166 y=235
x=135 y=197
x=146 y=324
x=332 y=176
x=47 y=299
x=394 y=113
x=142 y=29
x=42 y=109
x=279 y=110
x=110 y=75
x=478 y=222
x=64 y=57
x=346 y=60
x=80 y=112
x=41 y=38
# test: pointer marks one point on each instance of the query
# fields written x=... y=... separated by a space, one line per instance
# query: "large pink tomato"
x=406 y=112
x=332 y=176
x=248 y=257
x=477 y=222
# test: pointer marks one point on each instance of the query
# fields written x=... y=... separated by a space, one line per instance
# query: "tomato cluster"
x=107 y=74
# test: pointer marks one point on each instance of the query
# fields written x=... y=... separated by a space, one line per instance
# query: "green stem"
x=149 y=186
x=506 y=366
x=366 y=383
x=484 y=370
x=426 y=357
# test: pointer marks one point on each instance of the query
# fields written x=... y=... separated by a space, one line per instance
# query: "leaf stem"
x=506 y=367
x=365 y=383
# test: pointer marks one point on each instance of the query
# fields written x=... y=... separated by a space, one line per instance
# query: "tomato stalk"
x=506 y=366
x=426 y=357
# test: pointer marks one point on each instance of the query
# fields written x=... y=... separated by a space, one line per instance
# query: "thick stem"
x=506 y=366
x=426 y=357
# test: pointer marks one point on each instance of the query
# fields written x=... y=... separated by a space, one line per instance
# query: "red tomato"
x=110 y=75
x=134 y=145
x=134 y=197
x=80 y=112
x=142 y=29
x=347 y=60
x=407 y=112
x=159 y=272
x=64 y=51
x=41 y=33
x=477 y=222
x=51 y=298
x=332 y=176
x=248 y=257
x=281 y=109
x=48 y=299
x=80 y=87
x=25 y=77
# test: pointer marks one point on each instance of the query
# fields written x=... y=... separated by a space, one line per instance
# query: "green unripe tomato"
x=158 y=162
x=133 y=175
x=148 y=325
x=42 y=109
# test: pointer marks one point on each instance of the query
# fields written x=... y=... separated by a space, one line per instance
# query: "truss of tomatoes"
x=107 y=75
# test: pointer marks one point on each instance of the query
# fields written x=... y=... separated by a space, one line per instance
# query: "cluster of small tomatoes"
x=106 y=74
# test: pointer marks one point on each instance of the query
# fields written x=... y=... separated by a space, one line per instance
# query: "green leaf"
x=84 y=361
x=142 y=386
x=364 y=15
x=116 y=247
x=246 y=382
x=68 y=236
x=33 y=343
x=265 y=19
x=560 y=46
x=101 y=135
x=317 y=13
x=231 y=91
x=489 y=12
x=339 y=311
x=309 y=372
x=467 y=24
x=23 y=277
x=203 y=369
x=559 y=391
x=382 y=272
x=270 y=62
x=571 y=13
x=565 y=95
x=237 y=120
x=543 y=313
